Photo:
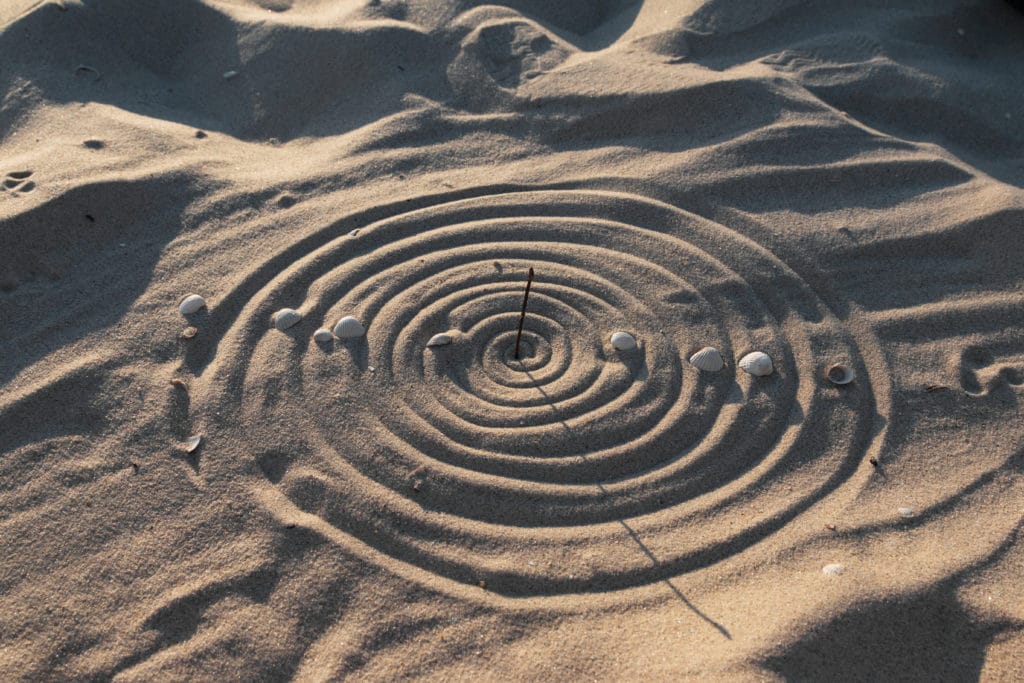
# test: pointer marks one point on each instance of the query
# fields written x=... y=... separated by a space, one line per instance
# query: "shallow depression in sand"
x=577 y=467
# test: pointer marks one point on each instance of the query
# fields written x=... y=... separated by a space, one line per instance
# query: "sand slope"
x=829 y=184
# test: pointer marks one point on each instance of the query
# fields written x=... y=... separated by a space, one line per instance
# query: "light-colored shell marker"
x=623 y=341
x=286 y=317
x=192 y=443
x=349 y=328
x=833 y=569
x=190 y=304
x=323 y=335
x=905 y=512
x=840 y=374
x=228 y=75
x=442 y=339
x=709 y=358
x=757 y=363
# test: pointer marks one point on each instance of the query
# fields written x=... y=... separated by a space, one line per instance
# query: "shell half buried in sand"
x=623 y=341
x=708 y=359
x=441 y=339
x=757 y=363
x=192 y=443
x=349 y=328
x=323 y=335
x=285 y=318
x=840 y=374
x=190 y=304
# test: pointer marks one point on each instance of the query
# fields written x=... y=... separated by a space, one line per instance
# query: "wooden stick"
x=522 y=316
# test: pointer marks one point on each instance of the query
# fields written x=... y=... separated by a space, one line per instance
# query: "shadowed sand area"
x=824 y=182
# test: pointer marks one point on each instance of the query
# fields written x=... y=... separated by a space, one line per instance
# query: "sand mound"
x=828 y=185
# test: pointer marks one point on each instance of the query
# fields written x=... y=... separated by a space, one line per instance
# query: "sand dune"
x=830 y=183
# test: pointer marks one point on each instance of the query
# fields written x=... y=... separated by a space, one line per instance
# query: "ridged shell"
x=191 y=303
x=349 y=328
x=323 y=335
x=286 y=317
x=442 y=339
x=623 y=341
x=833 y=569
x=192 y=443
x=757 y=363
x=840 y=374
x=709 y=359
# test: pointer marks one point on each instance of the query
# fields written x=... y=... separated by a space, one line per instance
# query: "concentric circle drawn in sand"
x=577 y=467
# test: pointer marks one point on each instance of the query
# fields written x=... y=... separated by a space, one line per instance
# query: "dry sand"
x=827 y=182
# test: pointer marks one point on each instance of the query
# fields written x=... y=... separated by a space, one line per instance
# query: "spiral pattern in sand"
x=577 y=467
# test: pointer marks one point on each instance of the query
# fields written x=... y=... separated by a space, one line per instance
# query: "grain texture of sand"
x=829 y=183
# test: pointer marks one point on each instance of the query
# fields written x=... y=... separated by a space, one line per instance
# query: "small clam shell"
x=286 y=317
x=757 y=363
x=833 y=569
x=189 y=332
x=349 y=328
x=323 y=335
x=840 y=374
x=190 y=304
x=442 y=339
x=905 y=512
x=623 y=341
x=709 y=358
x=192 y=443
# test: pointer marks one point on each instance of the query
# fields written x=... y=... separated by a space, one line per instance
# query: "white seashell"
x=192 y=443
x=623 y=341
x=905 y=512
x=442 y=339
x=840 y=374
x=757 y=363
x=349 y=328
x=228 y=75
x=323 y=335
x=709 y=358
x=833 y=569
x=286 y=317
x=191 y=303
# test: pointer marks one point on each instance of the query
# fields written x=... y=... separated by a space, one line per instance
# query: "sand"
x=824 y=182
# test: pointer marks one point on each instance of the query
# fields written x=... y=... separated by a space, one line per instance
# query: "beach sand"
x=829 y=183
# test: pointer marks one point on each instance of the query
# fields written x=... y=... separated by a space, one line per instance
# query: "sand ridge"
x=825 y=184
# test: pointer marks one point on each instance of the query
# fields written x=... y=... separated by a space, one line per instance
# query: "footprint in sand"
x=981 y=373
x=18 y=182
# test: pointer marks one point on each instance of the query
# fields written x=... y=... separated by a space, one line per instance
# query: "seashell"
x=442 y=339
x=323 y=335
x=757 y=363
x=192 y=443
x=285 y=318
x=349 y=328
x=623 y=341
x=228 y=75
x=189 y=332
x=840 y=374
x=833 y=569
x=709 y=358
x=905 y=512
x=191 y=303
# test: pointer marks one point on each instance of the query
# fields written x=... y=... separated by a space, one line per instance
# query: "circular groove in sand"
x=530 y=469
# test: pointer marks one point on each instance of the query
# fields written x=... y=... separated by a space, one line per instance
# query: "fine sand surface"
x=828 y=182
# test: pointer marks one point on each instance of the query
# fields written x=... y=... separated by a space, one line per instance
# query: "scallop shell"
x=709 y=358
x=757 y=363
x=623 y=341
x=286 y=317
x=442 y=339
x=323 y=335
x=349 y=328
x=190 y=304
x=840 y=374
x=192 y=443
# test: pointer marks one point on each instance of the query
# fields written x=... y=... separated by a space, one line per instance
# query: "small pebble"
x=905 y=512
x=286 y=317
x=623 y=341
x=442 y=339
x=190 y=304
x=833 y=569
x=349 y=328
x=323 y=335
